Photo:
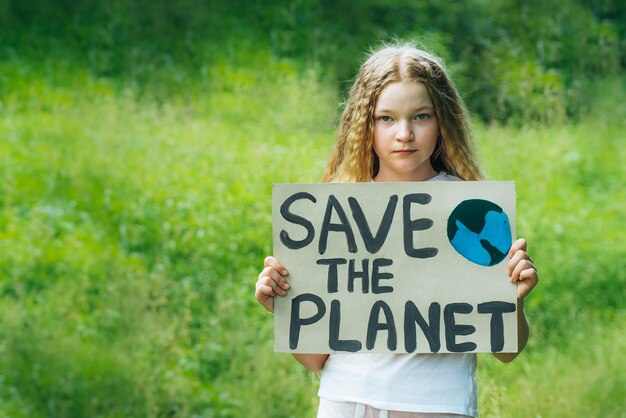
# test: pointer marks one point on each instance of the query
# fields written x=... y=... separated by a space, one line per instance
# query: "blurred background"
x=138 y=144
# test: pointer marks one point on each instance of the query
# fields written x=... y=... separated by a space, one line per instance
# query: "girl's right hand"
x=271 y=282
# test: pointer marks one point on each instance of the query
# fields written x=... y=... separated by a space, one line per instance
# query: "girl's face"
x=405 y=132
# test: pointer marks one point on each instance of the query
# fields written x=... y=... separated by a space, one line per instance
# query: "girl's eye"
x=422 y=116
x=385 y=118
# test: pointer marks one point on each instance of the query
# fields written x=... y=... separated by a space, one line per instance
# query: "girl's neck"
x=393 y=177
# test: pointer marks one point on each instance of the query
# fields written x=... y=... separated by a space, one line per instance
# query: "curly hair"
x=353 y=158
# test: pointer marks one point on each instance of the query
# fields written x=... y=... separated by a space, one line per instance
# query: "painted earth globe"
x=480 y=231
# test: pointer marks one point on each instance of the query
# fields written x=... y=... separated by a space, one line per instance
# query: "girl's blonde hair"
x=353 y=158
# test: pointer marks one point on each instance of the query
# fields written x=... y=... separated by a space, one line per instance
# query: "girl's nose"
x=405 y=131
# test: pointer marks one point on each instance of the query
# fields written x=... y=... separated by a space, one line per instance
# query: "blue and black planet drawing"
x=480 y=231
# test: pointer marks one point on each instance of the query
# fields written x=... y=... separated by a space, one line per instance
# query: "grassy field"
x=132 y=229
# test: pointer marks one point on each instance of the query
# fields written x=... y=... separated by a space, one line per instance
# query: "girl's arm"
x=272 y=282
x=313 y=362
x=522 y=271
x=522 y=335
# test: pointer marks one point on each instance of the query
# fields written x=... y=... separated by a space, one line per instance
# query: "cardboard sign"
x=395 y=267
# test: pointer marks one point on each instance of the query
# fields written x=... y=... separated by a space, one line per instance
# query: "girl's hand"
x=271 y=283
x=521 y=269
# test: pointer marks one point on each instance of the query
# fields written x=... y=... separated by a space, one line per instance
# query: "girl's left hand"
x=521 y=269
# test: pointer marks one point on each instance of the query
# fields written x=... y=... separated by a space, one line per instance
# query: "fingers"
x=521 y=268
x=527 y=282
x=277 y=265
x=520 y=244
x=519 y=256
x=270 y=277
x=271 y=282
x=525 y=266
x=265 y=296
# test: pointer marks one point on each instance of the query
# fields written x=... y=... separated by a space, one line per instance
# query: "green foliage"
x=130 y=230
x=139 y=142
x=578 y=199
x=515 y=60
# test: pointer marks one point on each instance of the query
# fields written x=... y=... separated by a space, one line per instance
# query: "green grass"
x=132 y=229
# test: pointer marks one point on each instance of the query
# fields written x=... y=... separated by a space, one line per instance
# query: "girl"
x=404 y=121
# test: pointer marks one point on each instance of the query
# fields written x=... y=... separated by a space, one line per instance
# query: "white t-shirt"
x=404 y=382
